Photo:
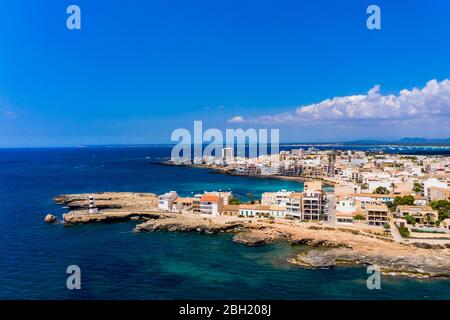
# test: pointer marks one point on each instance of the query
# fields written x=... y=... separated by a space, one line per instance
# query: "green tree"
x=405 y=200
x=442 y=207
x=234 y=201
x=359 y=217
x=418 y=188
x=399 y=201
x=404 y=232
x=410 y=219
x=381 y=190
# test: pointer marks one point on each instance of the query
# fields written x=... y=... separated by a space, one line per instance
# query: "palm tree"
x=428 y=218
x=251 y=197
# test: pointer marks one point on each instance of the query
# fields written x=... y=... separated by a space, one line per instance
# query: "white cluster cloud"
x=237 y=119
x=432 y=101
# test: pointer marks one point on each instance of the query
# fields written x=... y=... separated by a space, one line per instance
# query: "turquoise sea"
x=119 y=264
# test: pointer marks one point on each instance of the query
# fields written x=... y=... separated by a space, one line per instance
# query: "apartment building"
x=377 y=215
x=294 y=205
x=211 y=204
x=312 y=206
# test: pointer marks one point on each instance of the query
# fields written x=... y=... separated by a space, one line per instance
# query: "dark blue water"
x=119 y=264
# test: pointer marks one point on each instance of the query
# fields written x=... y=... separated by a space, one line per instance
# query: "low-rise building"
x=230 y=210
x=165 y=201
x=254 y=210
x=345 y=210
x=311 y=186
x=446 y=224
x=434 y=182
x=373 y=198
x=183 y=204
x=262 y=211
x=421 y=214
x=436 y=193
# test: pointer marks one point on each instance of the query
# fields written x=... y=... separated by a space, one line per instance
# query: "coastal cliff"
x=329 y=245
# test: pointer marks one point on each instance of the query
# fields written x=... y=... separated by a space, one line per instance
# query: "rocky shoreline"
x=421 y=267
x=328 y=246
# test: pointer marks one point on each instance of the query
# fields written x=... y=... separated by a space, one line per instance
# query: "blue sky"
x=140 y=69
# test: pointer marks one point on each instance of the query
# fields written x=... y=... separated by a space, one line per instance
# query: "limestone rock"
x=50 y=218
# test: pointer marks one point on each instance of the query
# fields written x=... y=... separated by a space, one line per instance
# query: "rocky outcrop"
x=78 y=216
x=319 y=243
x=327 y=245
x=109 y=200
x=49 y=218
x=428 y=245
x=182 y=223
x=110 y=206
x=410 y=265
x=259 y=237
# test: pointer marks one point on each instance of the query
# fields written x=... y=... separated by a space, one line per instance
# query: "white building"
x=279 y=198
x=227 y=155
x=211 y=204
x=345 y=210
x=433 y=182
x=166 y=200
x=261 y=211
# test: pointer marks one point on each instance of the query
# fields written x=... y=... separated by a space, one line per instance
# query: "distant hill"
x=424 y=140
x=407 y=140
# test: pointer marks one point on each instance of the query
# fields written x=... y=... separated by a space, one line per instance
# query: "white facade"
x=433 y=182
x=166 y=200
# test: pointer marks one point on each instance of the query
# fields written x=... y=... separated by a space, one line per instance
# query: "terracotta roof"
x=374 y=195
x=415 y=208
x=231 y=207
x=344 y=214
x=377 y=208
x=297 y=195
x=254 y=207
x=183 y=200
x=277 y=208
x=210 y=198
